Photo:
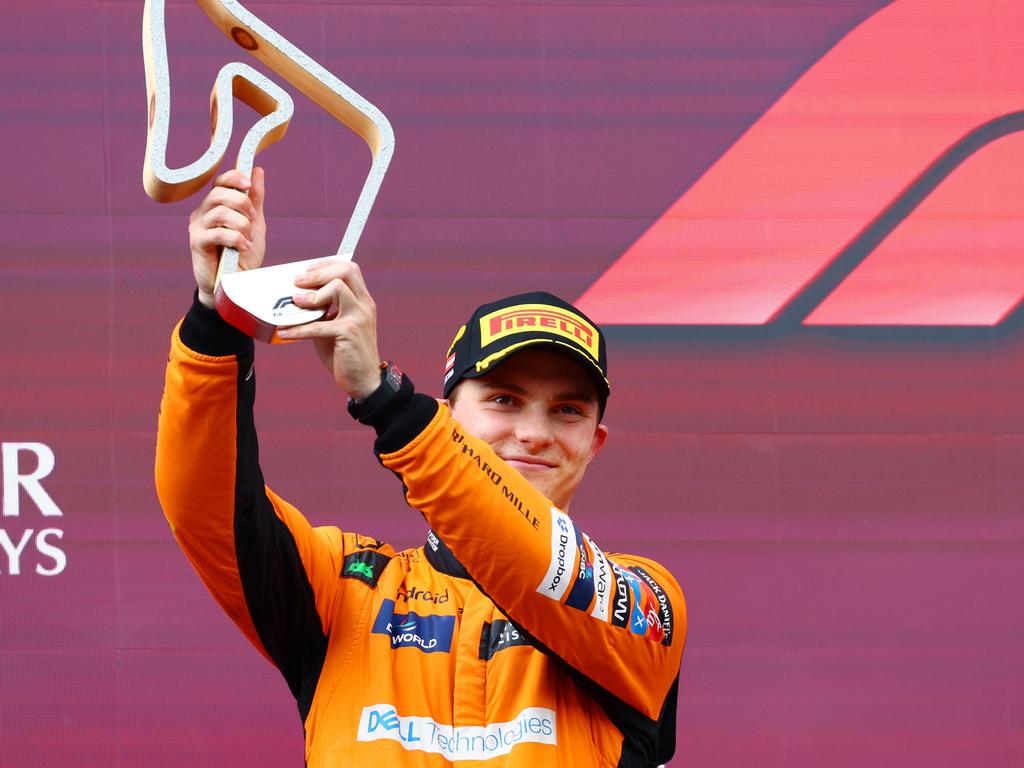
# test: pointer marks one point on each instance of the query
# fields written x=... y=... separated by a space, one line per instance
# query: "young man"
x=509 y=638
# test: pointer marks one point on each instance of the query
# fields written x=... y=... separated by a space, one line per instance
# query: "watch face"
x=393 y=377
x=390 y=384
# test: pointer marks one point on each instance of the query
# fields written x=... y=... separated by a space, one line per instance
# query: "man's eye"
x=502 y=400
x=570 y=410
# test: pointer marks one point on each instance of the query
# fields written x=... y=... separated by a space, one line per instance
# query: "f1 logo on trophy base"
x=256 y=301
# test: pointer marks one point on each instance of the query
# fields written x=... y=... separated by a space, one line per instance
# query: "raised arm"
x=274 y=575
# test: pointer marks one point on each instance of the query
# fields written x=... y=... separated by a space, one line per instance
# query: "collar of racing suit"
x=441 y=558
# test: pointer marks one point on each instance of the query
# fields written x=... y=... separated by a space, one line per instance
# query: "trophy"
x=256 y=301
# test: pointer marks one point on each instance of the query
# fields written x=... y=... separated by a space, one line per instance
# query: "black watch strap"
x=391 y=380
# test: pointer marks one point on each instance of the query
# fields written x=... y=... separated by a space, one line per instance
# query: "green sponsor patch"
x=358 y=568
x=365 y=565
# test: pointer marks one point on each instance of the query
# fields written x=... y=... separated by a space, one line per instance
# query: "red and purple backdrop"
x=801 y=222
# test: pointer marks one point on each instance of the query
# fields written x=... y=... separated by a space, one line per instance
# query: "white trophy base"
x=259 y=301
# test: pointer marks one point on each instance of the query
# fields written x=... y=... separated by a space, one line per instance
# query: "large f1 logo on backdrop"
x=884 y=188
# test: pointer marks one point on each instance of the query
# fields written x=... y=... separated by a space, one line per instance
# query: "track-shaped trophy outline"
x=256 y=301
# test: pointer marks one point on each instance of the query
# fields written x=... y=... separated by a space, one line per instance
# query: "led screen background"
x=840 y=504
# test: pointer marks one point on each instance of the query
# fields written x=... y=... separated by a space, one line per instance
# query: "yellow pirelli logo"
x=539 y=317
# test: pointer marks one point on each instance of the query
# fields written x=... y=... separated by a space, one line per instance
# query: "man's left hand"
x=346 y=339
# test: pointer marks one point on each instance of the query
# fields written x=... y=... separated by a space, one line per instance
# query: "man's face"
x=538 y=410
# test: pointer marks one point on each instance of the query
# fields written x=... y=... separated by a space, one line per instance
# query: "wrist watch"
x=390 y=382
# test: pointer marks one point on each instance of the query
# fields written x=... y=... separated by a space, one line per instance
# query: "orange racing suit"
x=508 y=639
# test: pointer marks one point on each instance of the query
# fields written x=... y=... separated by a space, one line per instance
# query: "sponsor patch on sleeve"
x=582 y=592
x=602 y=582
x=657 y=607
x=638 y=615
x=562 y=566
x=622 y=600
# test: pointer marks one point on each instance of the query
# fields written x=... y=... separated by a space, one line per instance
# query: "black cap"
x=503 y=327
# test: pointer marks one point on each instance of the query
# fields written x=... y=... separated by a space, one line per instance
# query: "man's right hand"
x=227 y=218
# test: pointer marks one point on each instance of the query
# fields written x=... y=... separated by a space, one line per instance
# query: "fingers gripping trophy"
x=227 y=230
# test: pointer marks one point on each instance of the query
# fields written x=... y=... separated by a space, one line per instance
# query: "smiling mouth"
x=528 y=462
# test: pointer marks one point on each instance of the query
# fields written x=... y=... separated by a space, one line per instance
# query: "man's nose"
x=534 y=428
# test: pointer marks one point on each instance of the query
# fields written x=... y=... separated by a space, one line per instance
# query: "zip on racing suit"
x=509 y=639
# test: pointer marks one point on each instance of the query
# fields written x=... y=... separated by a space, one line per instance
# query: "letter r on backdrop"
x=15 y=479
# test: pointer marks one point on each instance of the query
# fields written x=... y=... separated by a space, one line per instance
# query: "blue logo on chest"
x=431 y=634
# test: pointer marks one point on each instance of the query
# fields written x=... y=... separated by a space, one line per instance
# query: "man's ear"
x=600 y=436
